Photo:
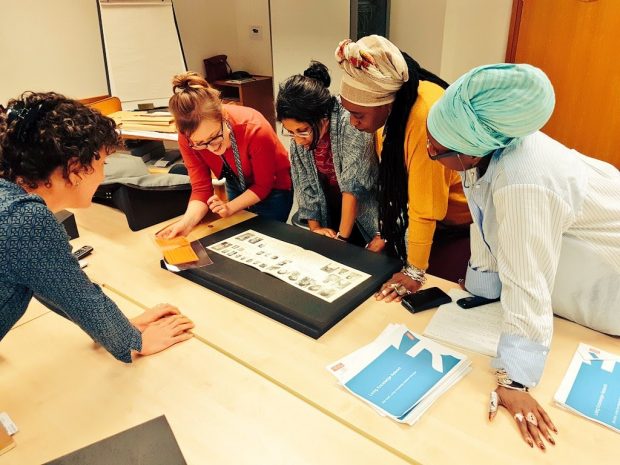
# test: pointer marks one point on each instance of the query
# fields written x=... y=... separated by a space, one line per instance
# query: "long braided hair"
x=393 y=179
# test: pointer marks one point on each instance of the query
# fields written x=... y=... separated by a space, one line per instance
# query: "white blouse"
x=546 y=237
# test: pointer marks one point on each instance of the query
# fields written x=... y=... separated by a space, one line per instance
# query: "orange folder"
x=180 y=255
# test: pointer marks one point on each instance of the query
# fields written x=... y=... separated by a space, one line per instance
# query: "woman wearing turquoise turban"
x=546 y=231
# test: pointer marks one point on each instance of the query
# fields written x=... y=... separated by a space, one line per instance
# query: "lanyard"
x=235 y=149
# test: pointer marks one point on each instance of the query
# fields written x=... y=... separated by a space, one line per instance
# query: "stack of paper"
x=591 y=386
x=159 y=121
x=400 y=373
x=477 y=329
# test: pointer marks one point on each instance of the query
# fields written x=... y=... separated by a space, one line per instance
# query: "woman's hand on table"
x=397 y=287
x=219 y=207
x=180 y=228
x=328 y=232
x=532 y=421
x=153 y=314
x=165 y=332
x=377 y=244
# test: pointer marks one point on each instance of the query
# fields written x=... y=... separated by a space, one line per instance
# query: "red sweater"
x=264 y=159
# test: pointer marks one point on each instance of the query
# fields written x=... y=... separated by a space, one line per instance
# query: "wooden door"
x=577 y=43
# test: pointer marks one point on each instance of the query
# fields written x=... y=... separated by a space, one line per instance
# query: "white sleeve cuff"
x=483 y=283
x=523 y=360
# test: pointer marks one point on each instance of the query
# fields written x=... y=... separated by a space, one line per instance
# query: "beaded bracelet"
x=414 y=273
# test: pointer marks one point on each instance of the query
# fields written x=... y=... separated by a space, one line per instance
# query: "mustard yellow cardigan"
x=435 y=192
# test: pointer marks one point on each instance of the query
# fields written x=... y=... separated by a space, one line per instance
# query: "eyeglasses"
x=451 y=153
x=438 y=156
x=213 y=142
x=303 y=134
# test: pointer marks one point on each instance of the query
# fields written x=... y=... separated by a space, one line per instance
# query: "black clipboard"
x=280 y=301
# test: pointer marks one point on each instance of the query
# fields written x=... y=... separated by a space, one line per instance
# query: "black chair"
x=145 y=206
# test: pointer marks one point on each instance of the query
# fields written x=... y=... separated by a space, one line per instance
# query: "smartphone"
x=425 y=299
x=474 y=301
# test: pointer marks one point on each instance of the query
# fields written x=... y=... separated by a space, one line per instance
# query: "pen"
x=493 y=402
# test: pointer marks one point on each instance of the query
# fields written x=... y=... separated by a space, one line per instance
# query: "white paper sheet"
x=304 y=269
x=477 y=329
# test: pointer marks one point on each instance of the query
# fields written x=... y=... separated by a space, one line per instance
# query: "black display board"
x=278 y=300
x=151 y=443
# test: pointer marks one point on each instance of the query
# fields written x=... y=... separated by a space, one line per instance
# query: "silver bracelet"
x=504 y=381
x=414 y=273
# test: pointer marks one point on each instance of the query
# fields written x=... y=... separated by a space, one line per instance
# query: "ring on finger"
x=394 y=286
x=531 y=418
x=519 y=417
x=401 y=290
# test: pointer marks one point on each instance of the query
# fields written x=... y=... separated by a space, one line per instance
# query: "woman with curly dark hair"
x=52 y=152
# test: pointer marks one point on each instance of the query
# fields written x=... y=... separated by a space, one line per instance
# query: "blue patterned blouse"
x=357 y=170
x=37 y=259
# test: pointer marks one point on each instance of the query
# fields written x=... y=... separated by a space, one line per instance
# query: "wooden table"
x=64 y=392
x=454 y=430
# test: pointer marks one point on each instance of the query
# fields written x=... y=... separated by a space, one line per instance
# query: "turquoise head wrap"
x=490 y=107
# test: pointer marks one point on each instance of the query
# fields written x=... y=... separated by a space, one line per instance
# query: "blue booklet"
x=591 y=386
x=400 y=373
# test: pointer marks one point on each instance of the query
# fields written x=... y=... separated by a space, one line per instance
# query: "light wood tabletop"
x=64 y=393
x=455 y=429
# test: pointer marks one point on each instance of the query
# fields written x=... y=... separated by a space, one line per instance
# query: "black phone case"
x=473 y=302
x=425 y=299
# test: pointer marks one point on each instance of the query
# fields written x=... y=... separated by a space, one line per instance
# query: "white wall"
x=303 y=31
x=254 y=54
x=417 y=27
x=51 y=45
x=475 y=33
x=213 y=27
x=446 y=36
x=449 y=37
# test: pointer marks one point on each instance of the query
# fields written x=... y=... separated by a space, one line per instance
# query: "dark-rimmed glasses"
x=213 y=142
x=438 y=156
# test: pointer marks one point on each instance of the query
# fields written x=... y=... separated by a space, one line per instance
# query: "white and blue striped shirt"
x=546 y=238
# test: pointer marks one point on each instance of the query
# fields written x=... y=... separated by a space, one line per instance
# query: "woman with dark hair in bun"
x=232 y=142
x=52 y=152
x=334 y=166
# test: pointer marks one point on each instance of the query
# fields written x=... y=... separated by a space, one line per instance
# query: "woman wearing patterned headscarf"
x=418 y=197
x=546 y=234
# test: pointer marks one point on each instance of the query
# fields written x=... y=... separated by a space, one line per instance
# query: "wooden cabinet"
x=256 y=93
